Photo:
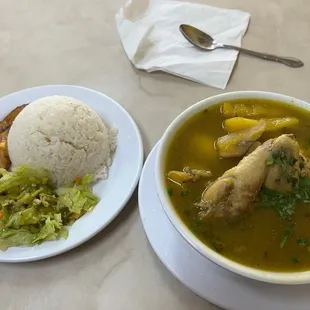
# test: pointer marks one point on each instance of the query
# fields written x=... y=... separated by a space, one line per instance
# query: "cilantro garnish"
x=185 y=193
x=285 y=203
x=286 y=233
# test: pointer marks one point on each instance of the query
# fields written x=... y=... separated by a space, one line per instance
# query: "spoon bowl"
x=204 y=41
x=198 y=37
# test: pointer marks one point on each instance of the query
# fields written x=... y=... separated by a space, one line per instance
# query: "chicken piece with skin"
x=234 y=192
x=286 y=166
x=253 y=147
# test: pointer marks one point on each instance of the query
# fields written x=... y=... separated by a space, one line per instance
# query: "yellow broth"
x=253 y=240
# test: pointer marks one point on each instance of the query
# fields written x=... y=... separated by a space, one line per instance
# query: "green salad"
x=32 y=211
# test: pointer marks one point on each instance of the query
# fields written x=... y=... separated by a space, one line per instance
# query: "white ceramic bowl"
x=265 y=276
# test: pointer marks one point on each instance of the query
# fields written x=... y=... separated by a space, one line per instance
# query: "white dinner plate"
x=211 y=282
x=114 y=192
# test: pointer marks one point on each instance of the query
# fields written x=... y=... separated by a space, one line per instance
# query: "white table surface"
x=76 y=42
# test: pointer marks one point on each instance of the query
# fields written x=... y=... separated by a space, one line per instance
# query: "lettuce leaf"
x=22 y=176
x=12 y=237
x=77 y=197
x=31 y=211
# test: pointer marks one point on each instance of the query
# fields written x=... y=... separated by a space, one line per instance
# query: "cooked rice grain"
x=64 y=136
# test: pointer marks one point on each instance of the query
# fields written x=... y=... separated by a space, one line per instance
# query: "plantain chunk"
x=272 y=124
x=4 y=154
x=239 y=123
x=9 y=119
x=5 y=126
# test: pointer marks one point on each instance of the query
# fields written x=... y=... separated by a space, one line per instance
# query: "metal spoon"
x=206 y=42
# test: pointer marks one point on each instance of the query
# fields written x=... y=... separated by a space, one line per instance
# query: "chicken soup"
x=238 y=175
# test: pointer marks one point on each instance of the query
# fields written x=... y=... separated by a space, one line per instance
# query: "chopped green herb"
x=285 y=203
x=184 y=193
x=294 y=260
x=197 y=221
x=170 y=191
x=298 y=196
x=287 y=211
x=269 y=162
x=304 y=182
x=292 y=160
x=303 y=242
x=286 y=233
x=280 y=158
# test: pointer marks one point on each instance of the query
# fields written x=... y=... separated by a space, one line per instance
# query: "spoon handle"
x=289 y=61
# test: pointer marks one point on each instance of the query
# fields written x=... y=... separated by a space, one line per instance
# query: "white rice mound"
x=63 y=135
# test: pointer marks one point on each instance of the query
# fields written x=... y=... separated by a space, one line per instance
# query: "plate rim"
x=192 y=289
x=257 y=286
x=131 y=189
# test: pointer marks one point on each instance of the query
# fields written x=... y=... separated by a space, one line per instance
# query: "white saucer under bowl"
x=114 y=192
x=211 y=282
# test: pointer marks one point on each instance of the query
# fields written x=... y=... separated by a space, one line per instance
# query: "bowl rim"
x=288 y=278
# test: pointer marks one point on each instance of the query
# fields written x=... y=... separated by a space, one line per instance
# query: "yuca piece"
x=230 y=109
x=236 y=144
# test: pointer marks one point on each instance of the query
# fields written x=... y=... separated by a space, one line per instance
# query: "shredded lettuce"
x=32 y=211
